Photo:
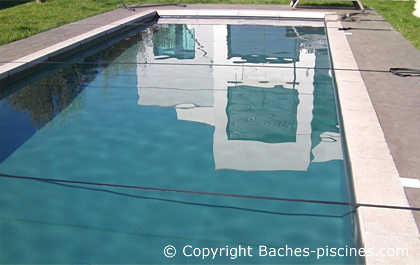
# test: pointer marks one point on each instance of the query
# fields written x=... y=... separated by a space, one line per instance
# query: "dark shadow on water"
x=56 y=87
x=108 y=230
x=200 y=204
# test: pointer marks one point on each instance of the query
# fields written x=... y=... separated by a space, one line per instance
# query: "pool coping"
x=374 y=173
x=375 y=177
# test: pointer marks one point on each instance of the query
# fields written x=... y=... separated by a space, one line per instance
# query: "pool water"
x=224 y=108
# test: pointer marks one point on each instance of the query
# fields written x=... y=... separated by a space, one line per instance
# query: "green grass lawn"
x=28 y=19
x=400 y=15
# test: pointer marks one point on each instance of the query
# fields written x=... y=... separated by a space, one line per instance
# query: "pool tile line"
x=272 y=21
x=375 y=176
x=240 y=13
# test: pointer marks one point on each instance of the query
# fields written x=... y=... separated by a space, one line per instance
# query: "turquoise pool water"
x=237 y=109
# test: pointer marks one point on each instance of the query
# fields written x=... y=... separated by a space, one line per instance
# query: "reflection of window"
x=262 y=114
x=262 y=44
x=174 y=41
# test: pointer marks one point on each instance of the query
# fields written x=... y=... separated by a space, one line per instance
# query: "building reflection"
x=261 y=44
x=257 y=85
x=174 y=41
x=262 y=114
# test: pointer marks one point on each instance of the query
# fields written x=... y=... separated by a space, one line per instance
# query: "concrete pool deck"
x=392 y=100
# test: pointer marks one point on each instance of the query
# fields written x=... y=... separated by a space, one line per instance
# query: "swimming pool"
x=233 y=108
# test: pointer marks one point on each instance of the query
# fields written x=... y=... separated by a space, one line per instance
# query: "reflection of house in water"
x=261 y=44
x=263 y=115
x=175 y=41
